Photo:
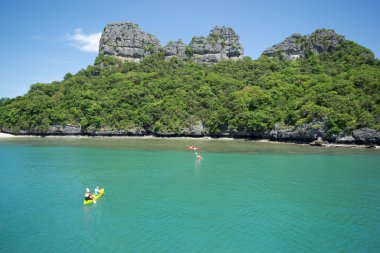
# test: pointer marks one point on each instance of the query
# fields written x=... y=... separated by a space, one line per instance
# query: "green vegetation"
x=213 y=37
x=188 y=52
x=149 y=49
x=340 y=88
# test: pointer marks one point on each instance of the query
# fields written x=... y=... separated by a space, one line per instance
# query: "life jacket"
x=87 y=196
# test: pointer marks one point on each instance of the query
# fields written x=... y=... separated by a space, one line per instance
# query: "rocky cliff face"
x=297 y=46
x=288 y=49
x=128 y=42
x=175 y=48
x=301 y=134
x=221 y=43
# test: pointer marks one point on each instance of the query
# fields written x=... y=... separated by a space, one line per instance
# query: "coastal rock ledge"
x=128 y=42
x=302 y=134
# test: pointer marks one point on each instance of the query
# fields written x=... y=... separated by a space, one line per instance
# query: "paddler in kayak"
x=97 y=190
x=199 y=157
x=87 y=195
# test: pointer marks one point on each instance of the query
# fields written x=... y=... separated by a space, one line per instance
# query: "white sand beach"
x=4 y=135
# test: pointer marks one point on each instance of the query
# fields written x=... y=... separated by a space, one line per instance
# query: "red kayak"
x=191 y=148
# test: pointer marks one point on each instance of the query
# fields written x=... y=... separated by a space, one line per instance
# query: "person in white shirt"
x=97 y=190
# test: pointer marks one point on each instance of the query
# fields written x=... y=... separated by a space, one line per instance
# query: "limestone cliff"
x=296 y=45
x=288 y=49
x=221 y=43
x=127 y=41
x=175 y=48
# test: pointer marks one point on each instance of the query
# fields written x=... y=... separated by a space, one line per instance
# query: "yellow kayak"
x=95 y=197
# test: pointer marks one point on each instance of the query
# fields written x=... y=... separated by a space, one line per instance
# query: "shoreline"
x=329 y=145
x=6 y=136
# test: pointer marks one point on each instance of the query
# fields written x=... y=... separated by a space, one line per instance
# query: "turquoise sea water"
x=242 y=197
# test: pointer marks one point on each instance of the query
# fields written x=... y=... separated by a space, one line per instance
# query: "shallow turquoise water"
x=242 y=197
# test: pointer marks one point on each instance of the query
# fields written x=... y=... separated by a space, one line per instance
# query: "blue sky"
x=43 y=40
